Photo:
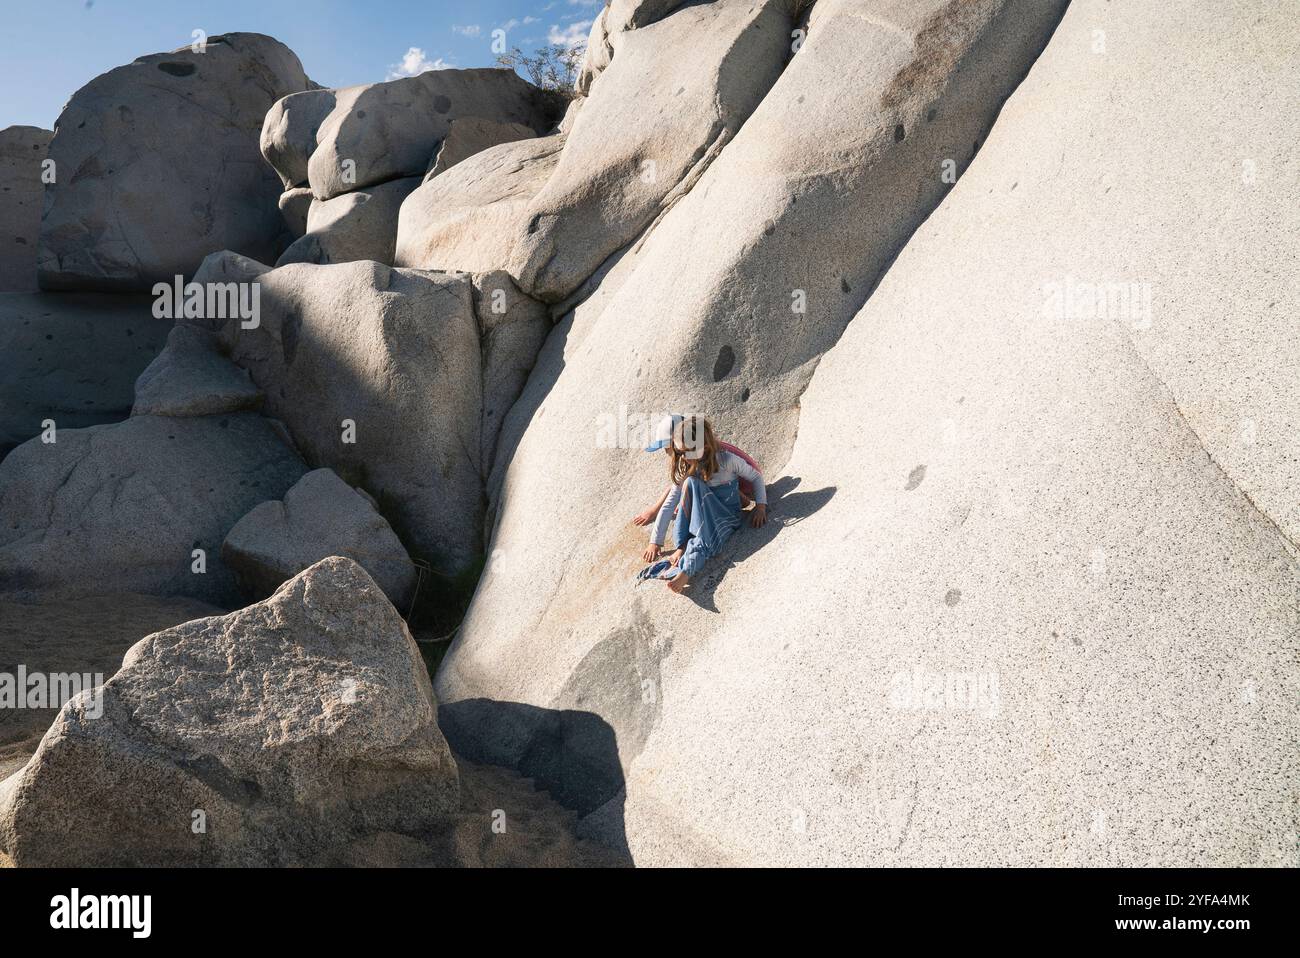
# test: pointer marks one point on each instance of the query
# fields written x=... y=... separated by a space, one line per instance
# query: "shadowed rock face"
x=71 y=357
x=190 y=378
x=1047 y=616
x=22 y=150
x=297 y=725
x=361 y=225
x=320 y=516
x=122 y=507
x=395 y=379
x=376 y=374
x=136 y=200
x=472 y=134
x=290 y=130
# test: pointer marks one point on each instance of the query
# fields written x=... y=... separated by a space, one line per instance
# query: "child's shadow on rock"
x=785 y=507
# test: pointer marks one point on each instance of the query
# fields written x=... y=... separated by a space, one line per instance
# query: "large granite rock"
x=473 y=134
x=614 y=175
x=123 y=507
x=266 y=737
x=361 y=225
x=512 y=330
x=72 y=358
x=380 y=375
x=348 y=158
x=191 y=378
x=375 y=372
x=157 y=165
x=385 y=131
x=1046 y=605
x=290 y=130
x=728 y=303
x=596 y=56
x=295 y=207
x=22 y=150
x=321 y=516
x=470 y=214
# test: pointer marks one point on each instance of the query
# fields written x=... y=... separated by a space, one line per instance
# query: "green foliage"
x=554 y=67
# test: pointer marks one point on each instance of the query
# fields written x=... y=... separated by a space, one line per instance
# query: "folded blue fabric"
x=663 y=569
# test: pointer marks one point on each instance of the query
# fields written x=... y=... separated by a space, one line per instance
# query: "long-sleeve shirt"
x=730 y=466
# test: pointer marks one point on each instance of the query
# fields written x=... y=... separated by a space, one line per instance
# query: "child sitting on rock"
x=711 y=483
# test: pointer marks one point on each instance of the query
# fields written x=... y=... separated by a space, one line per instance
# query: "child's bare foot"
x=679 y=582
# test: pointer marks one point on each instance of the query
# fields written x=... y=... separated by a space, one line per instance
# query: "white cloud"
x=571 y=35
x=414 y=63
x=512 y=23
x=472 y=30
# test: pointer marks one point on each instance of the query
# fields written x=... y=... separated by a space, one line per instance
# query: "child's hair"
x=694 y=450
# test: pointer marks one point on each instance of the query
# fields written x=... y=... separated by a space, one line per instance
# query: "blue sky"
x=50 y=48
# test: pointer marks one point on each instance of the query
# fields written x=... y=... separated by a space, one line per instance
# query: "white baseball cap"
x=663 y=433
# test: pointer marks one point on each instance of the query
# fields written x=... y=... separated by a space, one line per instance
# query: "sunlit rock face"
x=157 y=165
x=1024 y=585
x=674 y=94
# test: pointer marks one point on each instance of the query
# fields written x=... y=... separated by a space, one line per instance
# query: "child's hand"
x=651 y=553
x=645 y=518
x=676 y=557
x=758 y=516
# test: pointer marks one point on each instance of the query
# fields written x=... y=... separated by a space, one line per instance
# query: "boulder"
x=512 y=329
x=473 y=134
x=290 y=130
x=72 y=358
x=596 y=56
x=134 y=201
x=376 y=373
x=725 y=307
x=320 y=516
x=468 y=215
x=385 y=131
x=123 y=507
x=191 y=378
x=728 y=302
x=22 y=150
x=361 y=225
x=1046 y=605
x=613 y=177
x=398 y=380
x=297 y=725
x=623 y=15
x=295 y=205
x=227 y=267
